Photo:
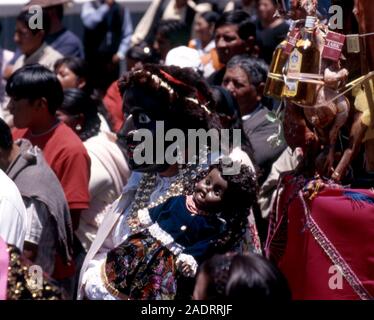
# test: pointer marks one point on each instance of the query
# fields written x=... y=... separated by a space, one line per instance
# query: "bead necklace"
x=186 y=176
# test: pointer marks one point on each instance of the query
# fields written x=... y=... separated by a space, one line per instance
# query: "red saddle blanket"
x=324 y=245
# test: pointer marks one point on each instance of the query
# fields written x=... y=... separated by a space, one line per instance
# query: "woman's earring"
x=78 y=127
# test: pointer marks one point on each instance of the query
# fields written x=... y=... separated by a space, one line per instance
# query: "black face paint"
x=143 y=112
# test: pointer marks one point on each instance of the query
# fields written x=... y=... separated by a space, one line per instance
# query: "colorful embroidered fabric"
x=141 y=268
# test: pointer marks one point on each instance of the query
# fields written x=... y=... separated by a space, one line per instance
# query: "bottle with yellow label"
x=275 y=82
x=303 y=68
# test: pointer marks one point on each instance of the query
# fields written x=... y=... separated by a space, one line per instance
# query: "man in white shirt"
x=13 y=216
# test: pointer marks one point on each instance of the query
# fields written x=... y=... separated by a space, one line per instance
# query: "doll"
x=177 y=235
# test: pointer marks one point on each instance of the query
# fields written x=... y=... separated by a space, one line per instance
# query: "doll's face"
x=209 y=192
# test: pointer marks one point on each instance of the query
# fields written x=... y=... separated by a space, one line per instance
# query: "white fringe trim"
x=144 y=218
x=190 y=261
x=165 y=238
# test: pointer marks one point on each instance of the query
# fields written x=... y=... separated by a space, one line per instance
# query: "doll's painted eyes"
x=217 y=192
x=143 y=118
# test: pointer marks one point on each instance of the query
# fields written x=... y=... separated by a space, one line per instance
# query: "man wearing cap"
x=31 y=43
x=59 y=38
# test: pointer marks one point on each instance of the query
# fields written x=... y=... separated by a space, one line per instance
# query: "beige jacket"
x=45 y=55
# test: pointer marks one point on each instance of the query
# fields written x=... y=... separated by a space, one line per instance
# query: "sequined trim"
x=108 y=286
x=190 y=261
x=4 y=264
x=333 y=254
x=278 y=222
x=255 y=239
x=19 y=277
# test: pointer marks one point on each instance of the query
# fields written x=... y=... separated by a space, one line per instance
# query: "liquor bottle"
x=275 y=82
x=303 y=68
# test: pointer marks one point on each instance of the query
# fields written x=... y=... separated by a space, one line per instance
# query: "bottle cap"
x=310 y=22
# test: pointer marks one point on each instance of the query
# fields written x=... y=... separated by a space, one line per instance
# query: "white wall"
x=13 y=7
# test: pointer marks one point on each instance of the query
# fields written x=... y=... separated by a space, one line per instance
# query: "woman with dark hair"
x=79 y=112
x=109 y=170
x=204 y=41
x=180 y=99
x=73 y=72
x=232 y=276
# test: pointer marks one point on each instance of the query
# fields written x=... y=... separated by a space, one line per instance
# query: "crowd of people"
x=99 y=225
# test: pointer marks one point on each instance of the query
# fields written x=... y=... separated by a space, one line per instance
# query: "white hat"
x=239 y=156
x=183 y=57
